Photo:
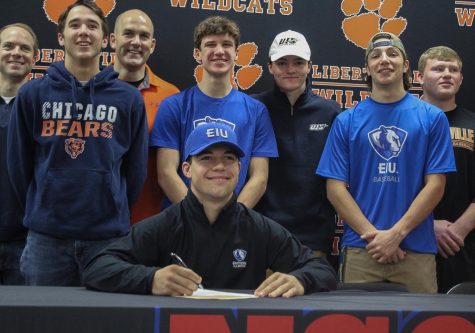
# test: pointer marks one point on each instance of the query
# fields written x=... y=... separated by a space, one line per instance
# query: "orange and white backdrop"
x=337 y=31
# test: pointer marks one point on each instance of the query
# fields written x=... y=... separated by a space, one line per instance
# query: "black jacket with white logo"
x=295 y=195
x=232 y=253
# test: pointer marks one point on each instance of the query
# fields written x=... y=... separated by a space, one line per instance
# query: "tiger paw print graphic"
x=54 y=8
x=365 y=18
x=247 y=75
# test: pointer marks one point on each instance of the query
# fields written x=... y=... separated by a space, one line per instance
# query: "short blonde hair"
x=442 y=53
x=28 y=29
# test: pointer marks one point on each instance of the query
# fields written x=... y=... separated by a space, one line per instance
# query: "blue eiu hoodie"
x=77 y=154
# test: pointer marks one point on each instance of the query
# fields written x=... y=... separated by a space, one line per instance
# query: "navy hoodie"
x=77 y=154
x=11 y=213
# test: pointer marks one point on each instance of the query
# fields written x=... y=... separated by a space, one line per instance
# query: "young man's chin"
x=219 y=72
x=85 y=55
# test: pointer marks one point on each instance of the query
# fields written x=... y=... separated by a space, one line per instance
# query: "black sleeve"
x=288 y=255
x=129 y=264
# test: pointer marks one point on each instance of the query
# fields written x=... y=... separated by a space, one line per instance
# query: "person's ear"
x=154 y=43
x=270 y=68
x=112 y=40
x=60 y=39
x=420 y=77
x=406 y=66
x=186 y=169
x=197 y=55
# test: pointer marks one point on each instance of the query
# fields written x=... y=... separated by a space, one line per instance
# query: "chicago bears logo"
x=208 y=119
x=387 y=141
x=239 y=254
x=74 y=147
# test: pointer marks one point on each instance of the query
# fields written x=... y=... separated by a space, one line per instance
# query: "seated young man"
x=225 y=244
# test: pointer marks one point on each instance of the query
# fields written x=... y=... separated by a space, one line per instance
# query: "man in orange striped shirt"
x=133 y=42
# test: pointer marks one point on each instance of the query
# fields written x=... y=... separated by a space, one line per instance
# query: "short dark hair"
x=407 y=76
x=216 y=25
x=28 y=29
x=86 y=3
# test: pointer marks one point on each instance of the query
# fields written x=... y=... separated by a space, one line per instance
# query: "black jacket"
x=233 y=253
x=295 y=195
x=11 y=212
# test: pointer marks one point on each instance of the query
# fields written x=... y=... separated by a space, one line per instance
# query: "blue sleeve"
x=440 y=155
x=20 y=146
x=264 y=144
x=135 y=161
x=166 y=126
x=335 y=160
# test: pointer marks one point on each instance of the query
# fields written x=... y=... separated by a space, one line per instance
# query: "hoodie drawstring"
x=74 y=88
x=92 y=91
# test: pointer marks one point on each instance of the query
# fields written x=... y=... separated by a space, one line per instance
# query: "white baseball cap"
x=289 y=43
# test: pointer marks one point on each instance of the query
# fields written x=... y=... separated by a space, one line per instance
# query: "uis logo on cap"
x=288 y=41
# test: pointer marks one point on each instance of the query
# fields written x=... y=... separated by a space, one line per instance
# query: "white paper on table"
x=214 y=294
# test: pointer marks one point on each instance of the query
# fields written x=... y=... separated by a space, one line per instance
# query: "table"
x=75 y=309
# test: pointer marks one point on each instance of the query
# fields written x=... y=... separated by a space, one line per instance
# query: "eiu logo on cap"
x=217 y=132
x=209 y=134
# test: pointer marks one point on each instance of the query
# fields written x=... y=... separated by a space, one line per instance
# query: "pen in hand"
x=180 y=262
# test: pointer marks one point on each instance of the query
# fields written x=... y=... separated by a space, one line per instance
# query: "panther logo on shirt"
x=387 y=141
x=74 y=147
x=240 y=256
x=208 y=119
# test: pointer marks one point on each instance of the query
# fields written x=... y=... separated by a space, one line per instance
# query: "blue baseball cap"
x=209 y=134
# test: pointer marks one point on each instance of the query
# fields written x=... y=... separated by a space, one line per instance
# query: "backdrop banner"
x=337 y=31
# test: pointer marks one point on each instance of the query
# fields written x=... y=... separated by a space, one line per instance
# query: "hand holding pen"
x=180 y=262
x=175 y=280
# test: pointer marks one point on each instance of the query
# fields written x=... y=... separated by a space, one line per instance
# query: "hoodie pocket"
x=80 y=198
